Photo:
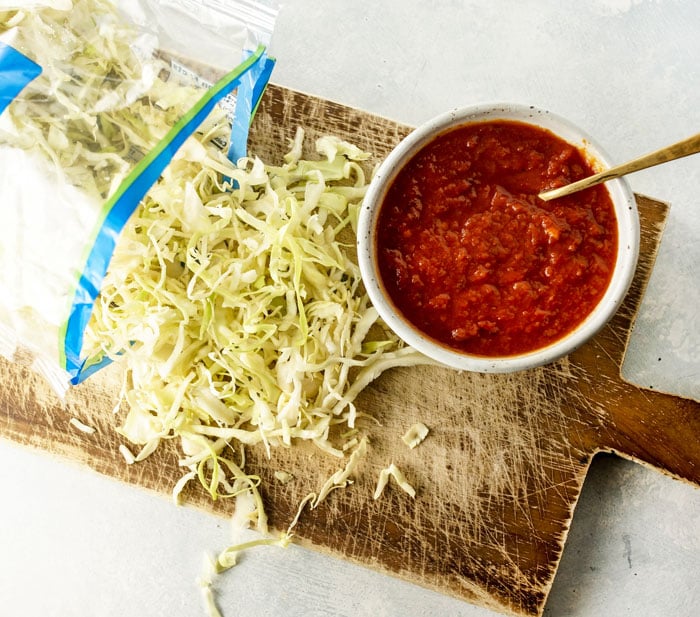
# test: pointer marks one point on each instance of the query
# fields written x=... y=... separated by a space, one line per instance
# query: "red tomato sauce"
x=474 y=259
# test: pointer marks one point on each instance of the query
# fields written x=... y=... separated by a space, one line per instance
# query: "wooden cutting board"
x=497 y=478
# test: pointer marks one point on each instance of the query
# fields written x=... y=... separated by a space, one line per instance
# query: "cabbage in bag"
x=95 y=100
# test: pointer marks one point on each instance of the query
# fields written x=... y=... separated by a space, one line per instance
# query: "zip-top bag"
x=96 y=98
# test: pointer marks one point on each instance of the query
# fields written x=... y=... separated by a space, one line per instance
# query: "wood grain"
x=498 y=476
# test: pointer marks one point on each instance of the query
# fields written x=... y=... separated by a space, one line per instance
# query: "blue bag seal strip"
x=16 y=71
x=247 y=98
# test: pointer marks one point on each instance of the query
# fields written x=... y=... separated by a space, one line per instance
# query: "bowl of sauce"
x=465 y=262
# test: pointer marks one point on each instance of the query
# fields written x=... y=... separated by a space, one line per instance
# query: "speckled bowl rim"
x=625 y=210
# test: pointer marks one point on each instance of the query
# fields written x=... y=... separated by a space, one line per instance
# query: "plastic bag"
x=95 y=100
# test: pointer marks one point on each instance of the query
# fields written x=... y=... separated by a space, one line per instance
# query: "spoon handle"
x=669 y=153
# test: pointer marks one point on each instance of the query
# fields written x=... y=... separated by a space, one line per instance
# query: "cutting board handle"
x=647 y=426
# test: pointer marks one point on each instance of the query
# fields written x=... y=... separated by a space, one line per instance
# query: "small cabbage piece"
x=127 y=454
x=392 y=471
x=415 y=435
x=82 y=427
x=283 y=477
x=235 y=303
x=342 y=477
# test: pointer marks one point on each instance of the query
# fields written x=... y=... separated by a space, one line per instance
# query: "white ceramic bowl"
x=628 y=239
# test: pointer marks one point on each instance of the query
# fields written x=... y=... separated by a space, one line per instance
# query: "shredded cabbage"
x=239 y=313
x=415 y=435
x=81 y=426
x=108 y=105
x=392 y=471
x=127 y=454
x=283 y=477
x=342 y=477
x=67 y=142
x=112 y=96
x=237 y=308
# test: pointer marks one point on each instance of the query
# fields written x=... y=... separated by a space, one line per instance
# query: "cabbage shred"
x=238 y=309
x=107 y=106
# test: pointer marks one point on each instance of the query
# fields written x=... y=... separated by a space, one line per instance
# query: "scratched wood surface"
x=499 y=475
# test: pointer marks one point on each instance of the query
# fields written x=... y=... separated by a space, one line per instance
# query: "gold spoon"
x=669 y=153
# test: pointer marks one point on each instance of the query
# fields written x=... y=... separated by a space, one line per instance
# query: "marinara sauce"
x=473 y=258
